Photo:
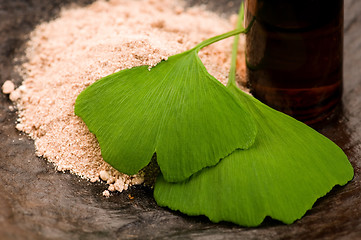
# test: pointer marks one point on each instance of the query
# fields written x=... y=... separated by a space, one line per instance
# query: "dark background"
x=36 y=202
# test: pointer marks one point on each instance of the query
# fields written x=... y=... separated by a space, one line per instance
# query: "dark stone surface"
x=36 y=202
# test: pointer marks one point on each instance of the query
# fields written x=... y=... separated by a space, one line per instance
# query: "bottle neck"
x=295 y=14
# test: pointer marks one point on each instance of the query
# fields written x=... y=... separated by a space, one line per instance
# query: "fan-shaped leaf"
x=176 y=109
x=287 y=169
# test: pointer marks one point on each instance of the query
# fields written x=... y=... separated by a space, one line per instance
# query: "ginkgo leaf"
x=176 y=109
x=287 y=169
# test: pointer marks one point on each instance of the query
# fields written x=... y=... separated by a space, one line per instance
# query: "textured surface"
x=36 y=202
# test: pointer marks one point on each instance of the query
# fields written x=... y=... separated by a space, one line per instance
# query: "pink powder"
x=85 y=44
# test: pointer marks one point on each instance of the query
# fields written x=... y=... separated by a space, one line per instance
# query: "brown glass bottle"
x=294 y=54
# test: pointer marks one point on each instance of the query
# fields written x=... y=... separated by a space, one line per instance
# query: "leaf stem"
x=212 y=40
x=232 y=71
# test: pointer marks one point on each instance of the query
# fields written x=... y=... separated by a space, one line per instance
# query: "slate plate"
x=36 y=202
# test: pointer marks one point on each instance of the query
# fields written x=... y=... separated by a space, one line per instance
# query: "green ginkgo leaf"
x=288 y=168
x=176 y=109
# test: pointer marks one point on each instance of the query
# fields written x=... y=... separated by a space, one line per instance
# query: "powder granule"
x=85 y=44
x=8 y=87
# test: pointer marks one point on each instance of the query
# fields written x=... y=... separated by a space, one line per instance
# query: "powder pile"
x=85 y=44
